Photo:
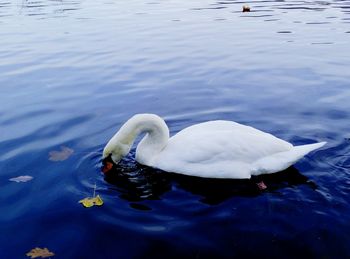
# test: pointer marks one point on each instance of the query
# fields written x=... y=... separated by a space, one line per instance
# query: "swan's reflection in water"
x=136 y=182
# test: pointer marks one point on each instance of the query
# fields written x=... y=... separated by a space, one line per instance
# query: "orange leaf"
x=39 y=252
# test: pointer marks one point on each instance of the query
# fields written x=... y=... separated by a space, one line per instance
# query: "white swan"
x=213 y=149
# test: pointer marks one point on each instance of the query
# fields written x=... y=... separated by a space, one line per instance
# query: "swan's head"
x=114 y=152
x=110 y=157
x=155 y=139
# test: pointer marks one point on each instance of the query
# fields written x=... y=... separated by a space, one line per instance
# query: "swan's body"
x=214 y=149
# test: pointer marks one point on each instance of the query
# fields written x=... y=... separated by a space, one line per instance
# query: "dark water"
x=71 y=72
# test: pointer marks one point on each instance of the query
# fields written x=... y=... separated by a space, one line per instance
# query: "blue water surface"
x=72 y=71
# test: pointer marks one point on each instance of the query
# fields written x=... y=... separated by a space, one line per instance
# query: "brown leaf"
x=60 y=155
x=246 y=8
x=39 y=252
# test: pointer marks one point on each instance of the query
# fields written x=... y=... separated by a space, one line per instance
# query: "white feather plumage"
x=213 y=149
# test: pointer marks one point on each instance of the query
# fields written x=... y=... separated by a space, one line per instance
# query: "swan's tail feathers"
x=305 y=149
x=282 y=160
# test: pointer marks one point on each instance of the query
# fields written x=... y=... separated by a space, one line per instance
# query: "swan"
x=213 y=149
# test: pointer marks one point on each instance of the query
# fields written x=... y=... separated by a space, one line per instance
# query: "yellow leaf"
x=89 y=202
x=98 y=200
x=39 y=252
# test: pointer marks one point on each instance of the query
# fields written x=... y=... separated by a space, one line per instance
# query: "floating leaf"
x=246 y=8
x=22 y=178
x=261 y=186
x=60 y=155
x=39 y=252
x=89 y=202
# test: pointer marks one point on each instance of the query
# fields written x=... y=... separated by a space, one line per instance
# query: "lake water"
x=71 y=72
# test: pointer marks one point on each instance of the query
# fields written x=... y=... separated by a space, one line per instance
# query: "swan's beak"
x=108 y=164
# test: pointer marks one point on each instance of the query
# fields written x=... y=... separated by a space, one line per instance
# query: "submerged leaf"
x=89 y=202
x=22 y=178
x=60 y=155
x=39 y=252
x=262 y=186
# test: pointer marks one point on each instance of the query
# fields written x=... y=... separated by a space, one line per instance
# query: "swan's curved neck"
x=156 y=138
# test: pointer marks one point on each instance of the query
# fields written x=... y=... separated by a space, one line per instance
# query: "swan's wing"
x=214 y=140
x=218 y=149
